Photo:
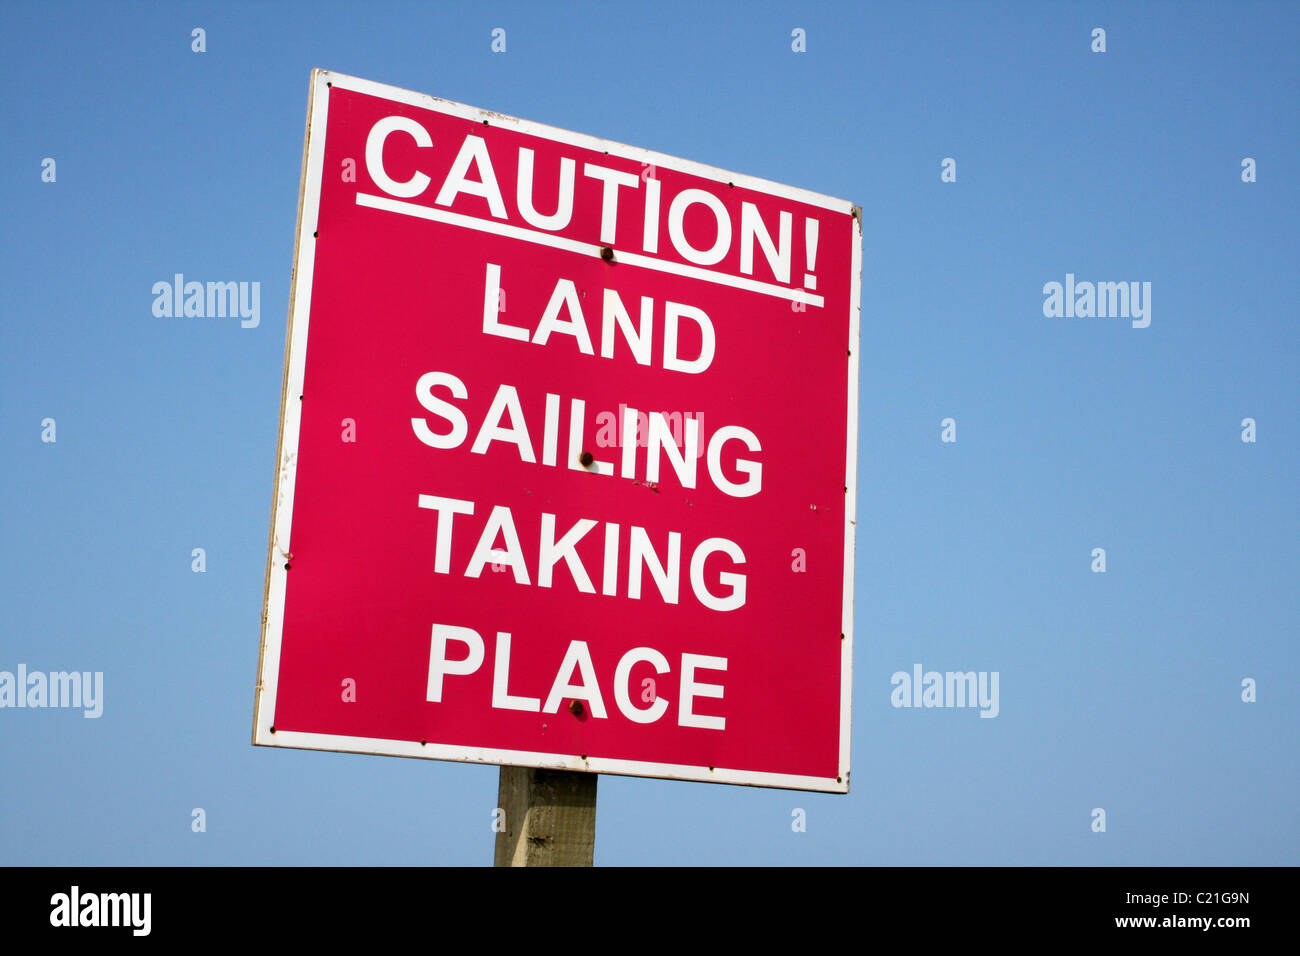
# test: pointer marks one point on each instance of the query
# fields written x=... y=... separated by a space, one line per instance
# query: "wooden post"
x=550 y=817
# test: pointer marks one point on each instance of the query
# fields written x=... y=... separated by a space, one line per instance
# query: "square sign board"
x=566 y=459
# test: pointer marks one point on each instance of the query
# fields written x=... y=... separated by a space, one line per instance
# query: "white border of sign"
x=287 y=454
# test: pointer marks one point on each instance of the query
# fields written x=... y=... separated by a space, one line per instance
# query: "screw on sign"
x=664 y=415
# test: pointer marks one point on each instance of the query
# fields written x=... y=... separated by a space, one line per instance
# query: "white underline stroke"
x=584 y=248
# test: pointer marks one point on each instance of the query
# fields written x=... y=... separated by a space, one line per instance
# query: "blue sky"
x=1120 y=691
